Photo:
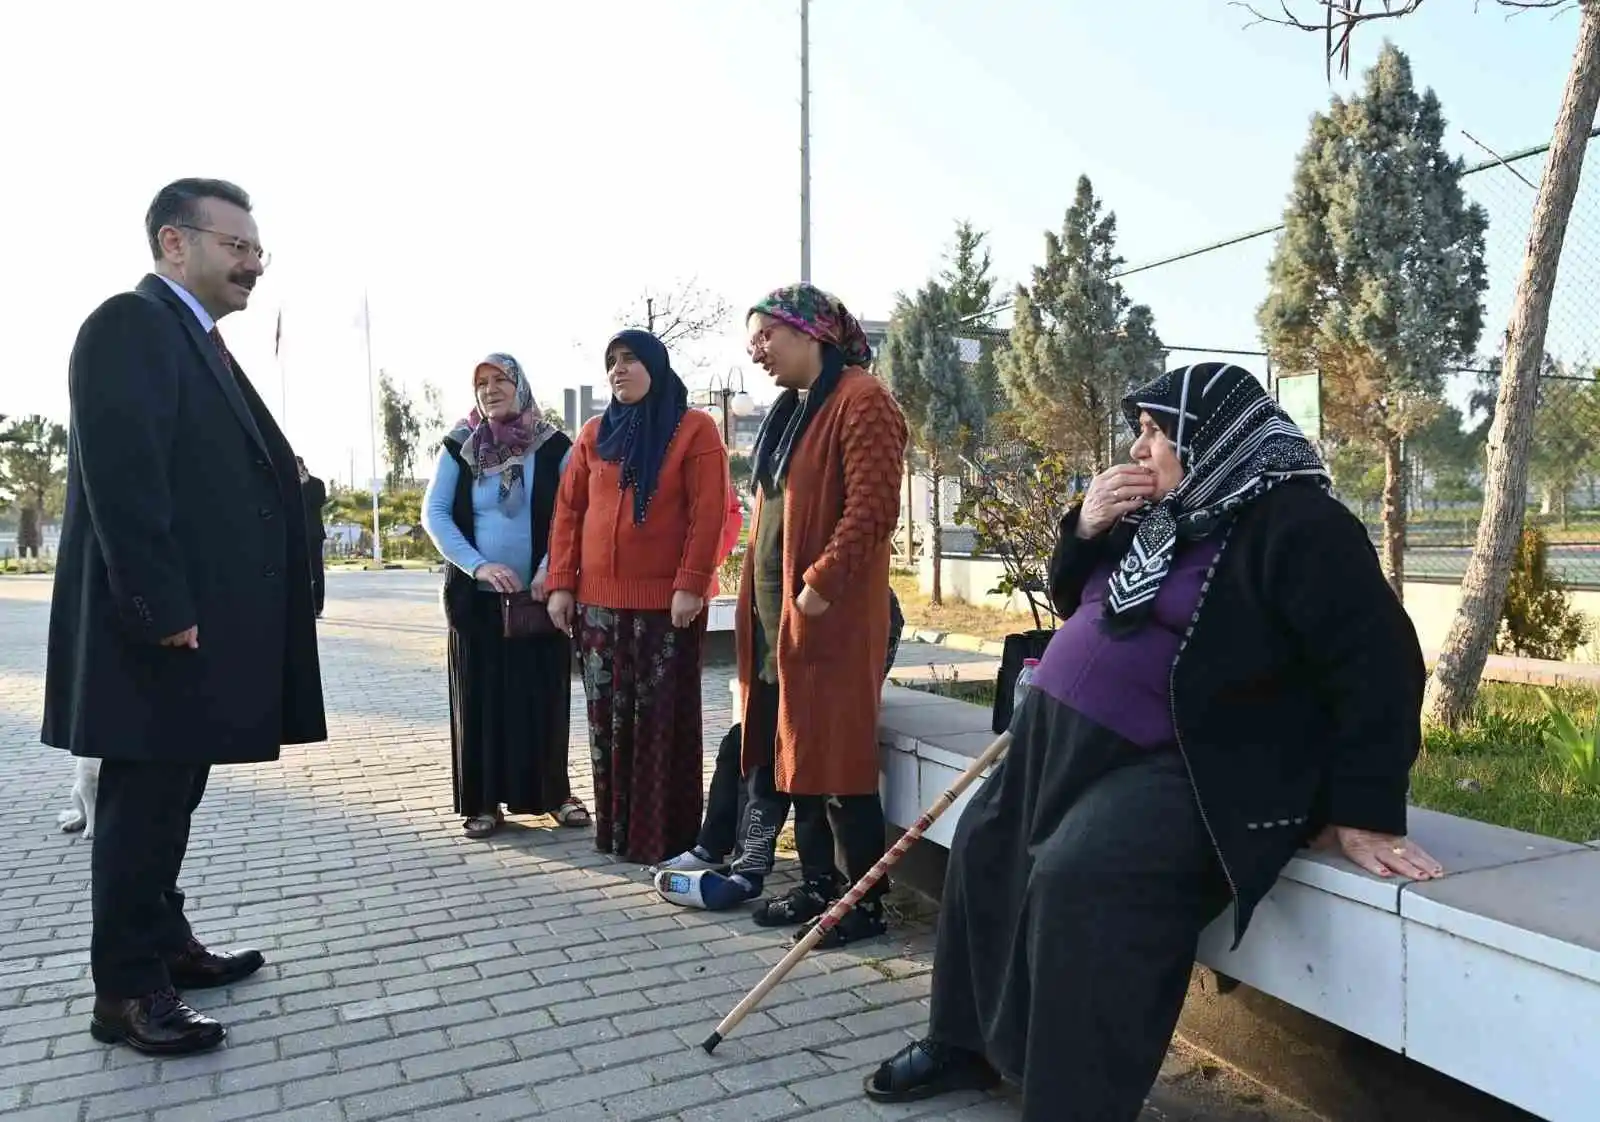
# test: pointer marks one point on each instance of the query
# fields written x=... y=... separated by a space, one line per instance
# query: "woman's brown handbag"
x=524 y=617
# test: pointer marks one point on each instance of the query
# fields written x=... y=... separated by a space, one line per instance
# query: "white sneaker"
x=687 y=862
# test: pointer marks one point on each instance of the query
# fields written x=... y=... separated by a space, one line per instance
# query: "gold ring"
x=1399 y=849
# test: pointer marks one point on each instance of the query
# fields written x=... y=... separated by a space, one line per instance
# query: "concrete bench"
x=1490 y=975
x=720 y=612
x=719 y=640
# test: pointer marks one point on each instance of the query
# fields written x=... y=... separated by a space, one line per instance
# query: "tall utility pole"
x=372 y=420
x=805 y=141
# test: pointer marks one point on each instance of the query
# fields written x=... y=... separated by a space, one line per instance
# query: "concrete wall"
x=969 y=580
x=1432 y=606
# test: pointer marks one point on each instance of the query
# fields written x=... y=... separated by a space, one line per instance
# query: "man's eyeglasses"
x=239 y=247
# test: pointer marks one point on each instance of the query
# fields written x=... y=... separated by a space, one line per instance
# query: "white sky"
x=508 y=176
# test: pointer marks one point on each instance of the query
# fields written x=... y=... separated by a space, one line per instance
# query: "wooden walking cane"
x=833 y=915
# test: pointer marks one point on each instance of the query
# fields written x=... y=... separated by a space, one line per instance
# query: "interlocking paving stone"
x=412 y=972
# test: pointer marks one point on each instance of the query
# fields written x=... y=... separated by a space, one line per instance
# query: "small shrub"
x=1578 y=751
x=1539 y=620
x=1014 y=502
x=976 y=691
x=730 y=571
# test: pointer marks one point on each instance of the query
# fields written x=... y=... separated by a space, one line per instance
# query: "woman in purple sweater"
x=1233 y=678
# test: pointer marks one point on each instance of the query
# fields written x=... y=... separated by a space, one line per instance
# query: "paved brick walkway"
x=414 y=973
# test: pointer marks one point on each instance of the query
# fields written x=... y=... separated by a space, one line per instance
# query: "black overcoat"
x=183 y=509
x=1297 y=694
x=315 y=493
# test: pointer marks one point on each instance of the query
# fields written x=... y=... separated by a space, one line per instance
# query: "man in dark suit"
x=316 y=496
x=182 y=632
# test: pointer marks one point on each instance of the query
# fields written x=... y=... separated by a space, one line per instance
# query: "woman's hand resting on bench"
x=1383 y=854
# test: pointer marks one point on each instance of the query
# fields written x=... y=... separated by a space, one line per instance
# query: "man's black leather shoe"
x=195 y=968
x=158 y=1023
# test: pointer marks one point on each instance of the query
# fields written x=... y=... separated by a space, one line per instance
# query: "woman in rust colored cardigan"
x=813 y=619
x=633 y=554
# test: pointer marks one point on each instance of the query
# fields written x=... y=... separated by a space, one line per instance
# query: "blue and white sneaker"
x=705 y=888
x=690 y=861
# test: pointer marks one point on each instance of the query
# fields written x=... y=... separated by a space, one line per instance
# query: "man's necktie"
x=227 y=356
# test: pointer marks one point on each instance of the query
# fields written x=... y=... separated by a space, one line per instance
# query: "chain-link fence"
x=1445 y=459
x=1444 y=469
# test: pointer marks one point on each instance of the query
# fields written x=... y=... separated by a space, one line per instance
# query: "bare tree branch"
x=1336 y=12
x=680 y=315
x=1338 y=19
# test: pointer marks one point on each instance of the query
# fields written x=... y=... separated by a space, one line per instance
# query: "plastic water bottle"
x=1030 y=666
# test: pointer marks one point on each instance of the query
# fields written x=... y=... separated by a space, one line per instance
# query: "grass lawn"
x=954 y=615
x=1495 y=770
x=1498 y=769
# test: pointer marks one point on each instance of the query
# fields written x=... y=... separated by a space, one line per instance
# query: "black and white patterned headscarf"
x=1235 y=444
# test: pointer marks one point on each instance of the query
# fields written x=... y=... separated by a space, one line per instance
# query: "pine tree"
x=1078 y=343
x=1456 y=675
x=967 y=278
x=944 y=411
x=1377 y=278
x=972 y=301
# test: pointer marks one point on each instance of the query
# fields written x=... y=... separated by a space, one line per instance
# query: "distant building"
x=971 y=348
x=745 y=429
x=741 y=430
x=580 y=405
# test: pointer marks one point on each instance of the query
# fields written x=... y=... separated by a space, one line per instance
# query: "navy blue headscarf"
x=636 y=436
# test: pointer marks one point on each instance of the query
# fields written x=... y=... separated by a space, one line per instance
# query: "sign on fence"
x=1300 y=396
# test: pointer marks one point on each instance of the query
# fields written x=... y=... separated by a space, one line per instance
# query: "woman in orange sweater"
x=633 y=554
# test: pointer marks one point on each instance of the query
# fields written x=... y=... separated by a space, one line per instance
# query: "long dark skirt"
x=510 y=716
x=642 y=678
x=1080 y=878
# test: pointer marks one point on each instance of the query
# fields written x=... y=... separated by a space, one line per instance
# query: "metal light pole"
x=727 y=390
x=805 y=141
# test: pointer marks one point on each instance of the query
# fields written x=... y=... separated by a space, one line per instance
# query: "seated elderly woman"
x=1233 y=676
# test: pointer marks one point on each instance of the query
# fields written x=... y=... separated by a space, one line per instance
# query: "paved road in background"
x=415 y=974
x=1577 y=564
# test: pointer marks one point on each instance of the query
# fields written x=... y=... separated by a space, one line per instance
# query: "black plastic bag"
x=1024 y=645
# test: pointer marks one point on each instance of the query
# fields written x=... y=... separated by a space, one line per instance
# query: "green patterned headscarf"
x=821 y=315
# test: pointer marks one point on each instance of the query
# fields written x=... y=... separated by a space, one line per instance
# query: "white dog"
x=85 y=789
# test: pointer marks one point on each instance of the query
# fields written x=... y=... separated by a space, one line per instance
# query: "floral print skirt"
x=642 y=679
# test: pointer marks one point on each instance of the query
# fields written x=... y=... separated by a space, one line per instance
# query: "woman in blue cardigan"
x=488 y=510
